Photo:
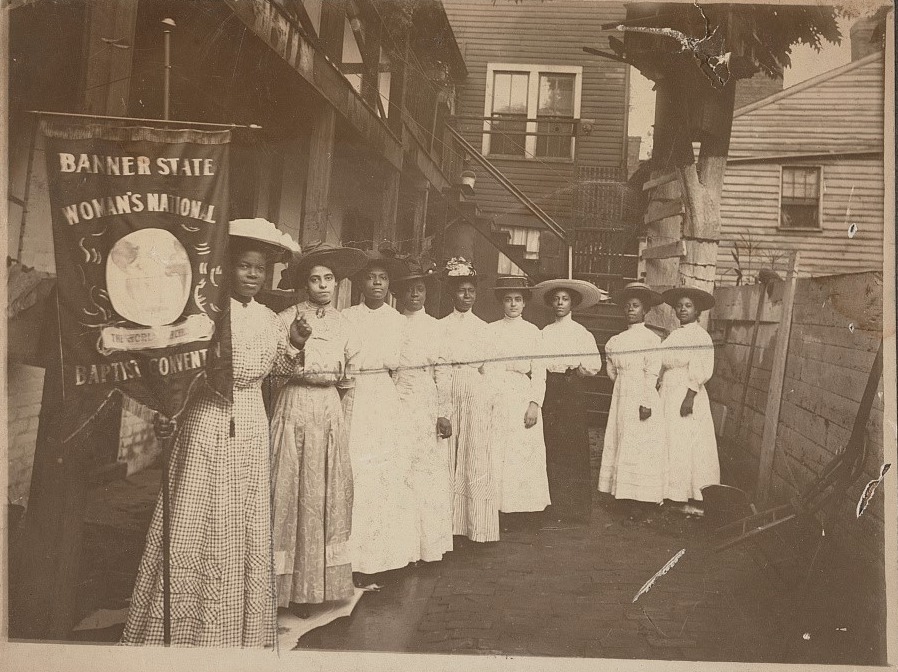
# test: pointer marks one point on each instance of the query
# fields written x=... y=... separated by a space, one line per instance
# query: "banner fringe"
x=68 y=131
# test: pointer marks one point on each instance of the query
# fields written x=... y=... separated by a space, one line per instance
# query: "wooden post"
x=389 y=206
x=318 y=181
x=751 y=355
x=775 y=391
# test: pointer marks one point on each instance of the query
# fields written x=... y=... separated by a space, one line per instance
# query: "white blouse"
x=517 y=347
x=466 y=339
x=422 y=347
x=690 y=347
x=374 y=336
x=568 y=344
x=636 y=353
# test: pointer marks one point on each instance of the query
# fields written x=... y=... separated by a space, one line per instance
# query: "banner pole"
x=166 y=442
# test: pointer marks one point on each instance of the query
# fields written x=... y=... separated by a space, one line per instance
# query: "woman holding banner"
x=220 y=531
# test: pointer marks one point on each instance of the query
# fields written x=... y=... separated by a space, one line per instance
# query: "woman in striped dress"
x=312 y=475
x=475 y=491
x=220 y=546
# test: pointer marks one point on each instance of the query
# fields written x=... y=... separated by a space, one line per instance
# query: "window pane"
x=554 y=139
x=510 y=92
x=800 y=197
x=556 y=95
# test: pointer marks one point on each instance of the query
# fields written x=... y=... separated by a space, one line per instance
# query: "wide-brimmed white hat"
x=263 y=231
x=588 y=293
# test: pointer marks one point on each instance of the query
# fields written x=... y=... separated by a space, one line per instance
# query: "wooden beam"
x=333 y=20
x=316 y=204
x=775 y=391
x=389 y=207
x=660 y=210
x=658 y=181
x=675 y=249
x=321 y=73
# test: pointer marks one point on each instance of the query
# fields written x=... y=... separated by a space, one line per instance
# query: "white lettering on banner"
x=125 y=204
x=118 y=372
x=96 y=164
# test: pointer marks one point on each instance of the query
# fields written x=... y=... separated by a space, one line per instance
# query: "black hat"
x=515 y=283
x=702 y=299
x=343 y=261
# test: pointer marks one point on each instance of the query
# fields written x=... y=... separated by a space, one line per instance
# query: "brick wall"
x=836 y=327
x=25 y=385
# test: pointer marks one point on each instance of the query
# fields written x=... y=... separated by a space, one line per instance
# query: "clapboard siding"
x=852 y=194
x=837 y=111
x=537 y=32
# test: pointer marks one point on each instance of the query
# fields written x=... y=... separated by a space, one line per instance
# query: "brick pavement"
x=557 y=591
x=563 y=590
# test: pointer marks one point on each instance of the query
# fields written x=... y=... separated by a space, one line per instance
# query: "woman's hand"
x=444 y=428
x=299 y=332
x=532 y=414
x=686 y=406
x=645 y=413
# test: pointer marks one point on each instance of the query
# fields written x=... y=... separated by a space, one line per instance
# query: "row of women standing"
x=355 y=475
x=659 y=440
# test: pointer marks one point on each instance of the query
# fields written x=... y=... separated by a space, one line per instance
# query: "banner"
x=140 y=229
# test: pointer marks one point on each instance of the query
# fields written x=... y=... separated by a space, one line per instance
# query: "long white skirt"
x=431 y=479
x=383 y=512
x=634 y=459
x=519 y=452
x=691 y=443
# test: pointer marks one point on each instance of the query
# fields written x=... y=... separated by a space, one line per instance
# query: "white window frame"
x=779 y=205
x=534 y=71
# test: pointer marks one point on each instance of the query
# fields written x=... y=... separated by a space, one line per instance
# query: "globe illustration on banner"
x=148 y=277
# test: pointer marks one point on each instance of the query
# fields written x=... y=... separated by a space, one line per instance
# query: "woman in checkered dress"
x=220 y=549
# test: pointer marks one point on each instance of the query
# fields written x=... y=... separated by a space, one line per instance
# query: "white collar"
x=567 y=319
x=239 y=305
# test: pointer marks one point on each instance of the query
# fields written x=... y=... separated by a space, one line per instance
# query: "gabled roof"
x=836 y=113
x=808 y=83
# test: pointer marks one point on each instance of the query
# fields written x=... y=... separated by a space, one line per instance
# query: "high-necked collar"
x=693 y=323
x=635 y=325
x=413 y=314
x=239 y=305
x=461 y=315
x=566 y=319
x=374 y=310
x=512 y=320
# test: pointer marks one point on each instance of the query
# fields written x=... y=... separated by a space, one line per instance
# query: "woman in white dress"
x=687 y=364
x=475 y=502
x=311 y=472
x=634 y=457
x=222 y=592
x=572 y=356
x=383 y=513
x=424 y=383
x=518 y=376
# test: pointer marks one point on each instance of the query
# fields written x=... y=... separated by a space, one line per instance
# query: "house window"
x=800 y=197
x=525 y=237
x=530 y=111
